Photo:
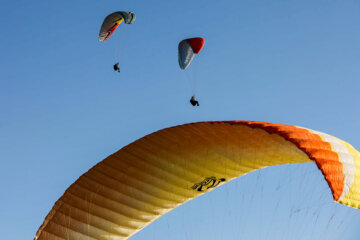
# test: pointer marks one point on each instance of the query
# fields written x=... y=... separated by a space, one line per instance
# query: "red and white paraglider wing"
x=187 y=50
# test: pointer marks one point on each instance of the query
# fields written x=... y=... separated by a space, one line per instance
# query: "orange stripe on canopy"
x=312 y=144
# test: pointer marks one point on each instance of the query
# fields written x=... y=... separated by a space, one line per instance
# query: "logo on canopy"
x=209 y=182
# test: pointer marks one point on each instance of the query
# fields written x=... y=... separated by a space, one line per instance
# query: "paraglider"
x=194 y=102
x=159 y=172
x=116 y=67
x=110 y=24
x=186 y=51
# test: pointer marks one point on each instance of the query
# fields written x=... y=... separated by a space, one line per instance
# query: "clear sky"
x=63 y=108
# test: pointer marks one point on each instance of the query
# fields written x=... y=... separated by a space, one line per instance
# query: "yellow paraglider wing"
x=148 y=178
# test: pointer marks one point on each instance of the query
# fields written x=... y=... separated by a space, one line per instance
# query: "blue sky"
x=63 y=108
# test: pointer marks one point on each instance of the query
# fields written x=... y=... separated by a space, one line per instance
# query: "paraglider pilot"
x=194 y=102
x=116 y=67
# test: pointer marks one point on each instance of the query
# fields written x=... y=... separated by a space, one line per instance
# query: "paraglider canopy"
x=187 y=50
x=159 y=172
x=112 y=21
